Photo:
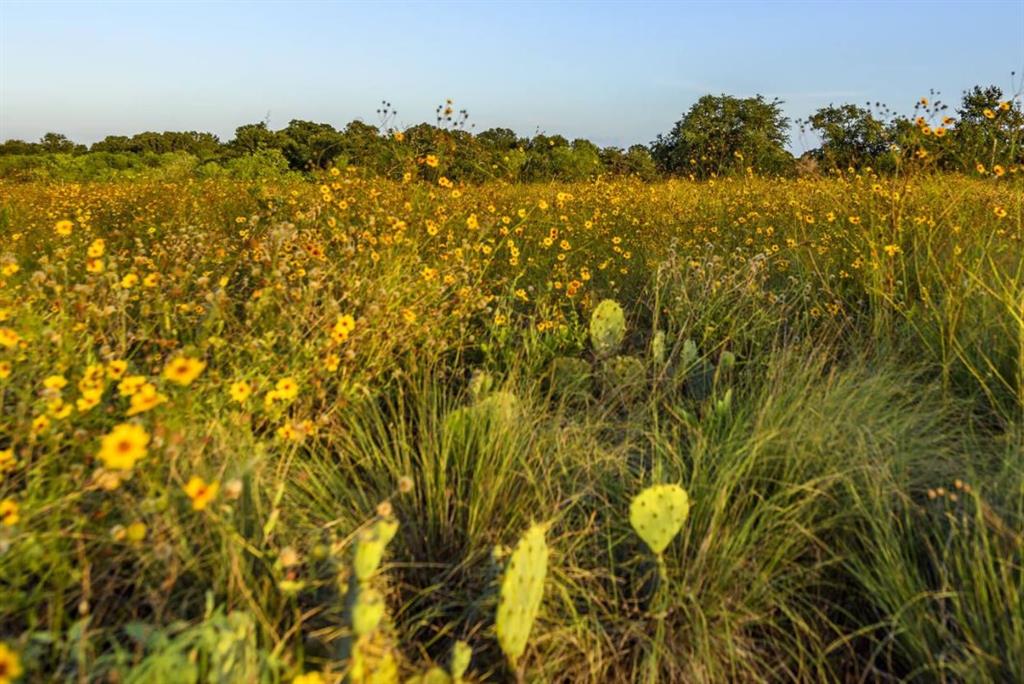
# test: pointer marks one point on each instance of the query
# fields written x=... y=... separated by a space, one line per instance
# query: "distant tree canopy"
x=986 y=132
x=850 y=136
x=718 y=136
x=721 y=134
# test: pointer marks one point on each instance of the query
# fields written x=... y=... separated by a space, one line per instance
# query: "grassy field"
x=218 y=397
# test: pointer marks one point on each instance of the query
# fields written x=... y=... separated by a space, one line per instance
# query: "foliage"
x=722 y=134
x=219 y=395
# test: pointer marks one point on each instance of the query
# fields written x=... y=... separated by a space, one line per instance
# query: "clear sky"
x=617 y=73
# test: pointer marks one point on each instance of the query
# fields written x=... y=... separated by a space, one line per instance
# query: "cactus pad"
x=522 y=589
x=367 y=612
x=570 y=378
x=370 y=547
x=462 y=653
x=607 y=327
x=658 y=348
x=658 y=513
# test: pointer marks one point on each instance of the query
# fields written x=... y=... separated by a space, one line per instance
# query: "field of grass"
x=219 y=396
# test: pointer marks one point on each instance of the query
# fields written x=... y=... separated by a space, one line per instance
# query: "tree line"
x=719 y=135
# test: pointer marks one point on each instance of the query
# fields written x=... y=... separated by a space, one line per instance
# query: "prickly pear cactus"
x=370 y=548
x=624 y=376
x=658 y=513
x=367 y=612
x=688 y=355
x=571 y=378
x=607 y=327
x=373 y=661
x=499 y=409
x=480 y=384
x=462 y=653
x=522 y=589
x=658 y=348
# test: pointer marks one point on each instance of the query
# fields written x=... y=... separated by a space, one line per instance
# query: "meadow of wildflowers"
x=292 y=429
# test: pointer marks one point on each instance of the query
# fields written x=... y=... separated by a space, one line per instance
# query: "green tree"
x=252 y=138
x=989 y=129
x=307 y=144
x=57 y=143
x=850 y=136
x=721 y=134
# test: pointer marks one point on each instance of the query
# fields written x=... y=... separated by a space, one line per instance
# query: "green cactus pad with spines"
x=462 y=653
x=571 y=377
x=370 y=548
x=498 y=409
x=522 y=589
x=480 y=384
x=624 y=376
x=607 y=327
x=658 y=513
x=367 y=612
x=658 y=348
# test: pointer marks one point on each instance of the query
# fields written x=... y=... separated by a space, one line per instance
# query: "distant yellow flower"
x=399 y=136
x=989 y=114
x=10 y=665
x=8 y=338
x=9 y=512
x=145 y=399
x=88 y=400
x=999 y=212
x=123 y=446
x=55 y=382
x=183 y=370
x=94 y=265
x=39 y=425
x=431 y=161
x=129 y=281
x=136 y=532
x=131 y=385
x=472 y=223
x=287 y=388
x=116 y=368
x=892 y=250
x=63 y=227
x=97 y=248
x=10 y=268
x=240 y=391
x=7 y=460
x=201 y=492
x=998 y=170
x=151 y=280
x=409 y=315
x=342 y=328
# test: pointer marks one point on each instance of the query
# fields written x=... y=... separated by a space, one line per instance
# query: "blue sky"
x=617 y=73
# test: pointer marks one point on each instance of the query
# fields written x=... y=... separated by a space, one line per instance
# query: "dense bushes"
x=719 y=136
